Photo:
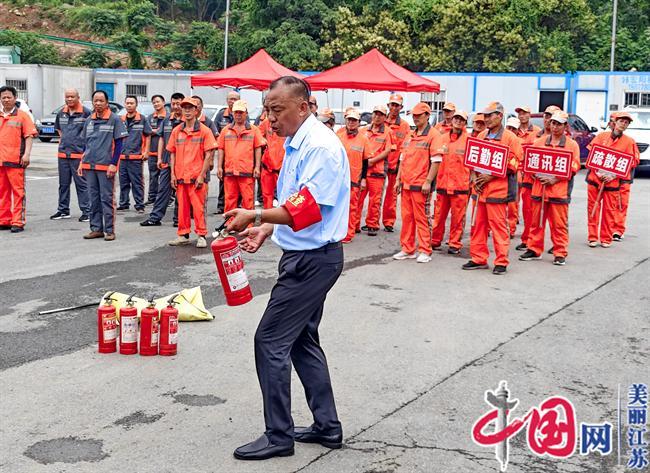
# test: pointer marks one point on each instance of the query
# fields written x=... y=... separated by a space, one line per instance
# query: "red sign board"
x=609 y=160
x=554 y=162
x=487 y=157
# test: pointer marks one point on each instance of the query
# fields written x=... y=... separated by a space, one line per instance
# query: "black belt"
x=330 y=246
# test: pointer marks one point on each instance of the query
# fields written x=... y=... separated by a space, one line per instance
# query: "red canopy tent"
x=372 y=71
x=257 y=72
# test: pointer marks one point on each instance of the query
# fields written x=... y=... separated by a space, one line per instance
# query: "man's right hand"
x=220 y=173
x=398 y=187
x=253 y=238
x=159 y=164
x=174 y=182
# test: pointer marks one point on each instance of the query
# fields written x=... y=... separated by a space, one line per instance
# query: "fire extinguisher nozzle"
x=171 y=300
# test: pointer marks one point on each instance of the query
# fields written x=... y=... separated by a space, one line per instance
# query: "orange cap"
x=326 y=115
x=396 y=98
x=551 y=109
x=523 y=109
x=479 y=117
x=352 y=113
x=380 y=109
x=493 y=107
x=240 y=106
x=460 y=113
x=190 y=101
x=560 y=116
x=623 y=115
x=421 y=108
x=449 y=107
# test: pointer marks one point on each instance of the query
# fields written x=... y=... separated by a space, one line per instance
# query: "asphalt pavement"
x=412 y=349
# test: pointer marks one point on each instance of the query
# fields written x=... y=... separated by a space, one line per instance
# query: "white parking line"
x=39 y=178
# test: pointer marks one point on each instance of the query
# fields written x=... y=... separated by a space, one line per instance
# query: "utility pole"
x=225 y=40
x=613 y=52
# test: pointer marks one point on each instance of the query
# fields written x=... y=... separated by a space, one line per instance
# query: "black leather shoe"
x=16 y=229
x=5 y=227
x=262 y=449
x=150 y=223
x=309 y=435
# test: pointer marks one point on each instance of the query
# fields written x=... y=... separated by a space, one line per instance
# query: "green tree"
x=92 y=58
x=32 y=49
x=97 y=20
x=135 y=44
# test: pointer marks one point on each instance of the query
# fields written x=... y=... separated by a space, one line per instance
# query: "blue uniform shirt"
x=314 y=157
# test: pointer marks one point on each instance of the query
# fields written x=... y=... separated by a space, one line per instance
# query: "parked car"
x=580 y=131
x=639 y=129
x=45 y=125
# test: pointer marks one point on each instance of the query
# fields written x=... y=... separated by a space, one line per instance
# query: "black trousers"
x=288 y=334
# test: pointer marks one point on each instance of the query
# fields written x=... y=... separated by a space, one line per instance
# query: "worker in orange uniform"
x=452 y=184
x=417 y=152
x=527 y=133
x=326 y=116
x=551 y=195
x=17 y=132
x=192 y=146
x=491 y=195
x=448 y=110
x=620 y=218
x=240 y=158
x=603 y=223
x=478 y=124
x=381 y=144
x=400 y=129
x=512 y=124
x=357 y=147
x=271 y=162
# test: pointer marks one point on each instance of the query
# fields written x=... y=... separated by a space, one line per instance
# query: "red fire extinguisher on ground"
x=129 y=328
x=169 y=328
x=107 y=326
x=149 y=329
x=230 y=266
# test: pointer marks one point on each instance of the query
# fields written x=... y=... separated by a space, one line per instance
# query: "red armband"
x=303 y=208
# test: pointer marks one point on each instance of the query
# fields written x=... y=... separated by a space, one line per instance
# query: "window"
x=631 y=98
x=645 y=100
x=637 y=99
x=436 y=102
x=139 y=90
x=21 y=87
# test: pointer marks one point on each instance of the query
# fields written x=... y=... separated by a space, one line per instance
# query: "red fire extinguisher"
x=129 y=328
x=169 y=328
x=149 y=329
x=230 y=266
x=107 y=326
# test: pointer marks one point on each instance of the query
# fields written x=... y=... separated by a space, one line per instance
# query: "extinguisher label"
x=154 y=333
x=173 y=331
x=129 y=329
x=234 y=267
x=109 y=326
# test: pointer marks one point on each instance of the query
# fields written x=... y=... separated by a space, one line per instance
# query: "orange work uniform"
x=189 y=147
x=452 y=189
x=555 y=207
x=380 y=141
x=491 y=205
x=525 y=184
x=271 y=162
x=603 y=224
x=357 y=147
x=400 y=130
x=442 y=127
x=239 y=164
x=15 y=128
x=417 y=150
